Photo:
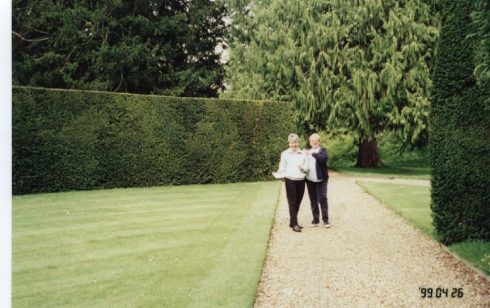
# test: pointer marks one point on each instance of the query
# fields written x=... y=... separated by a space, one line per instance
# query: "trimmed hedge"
x=460 y=131
x=76 y=140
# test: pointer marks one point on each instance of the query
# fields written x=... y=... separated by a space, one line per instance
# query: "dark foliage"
x=75 y=140
x=161 y=47
x=460 y=128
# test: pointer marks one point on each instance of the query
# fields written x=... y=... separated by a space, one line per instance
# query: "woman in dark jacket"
x=317 y=180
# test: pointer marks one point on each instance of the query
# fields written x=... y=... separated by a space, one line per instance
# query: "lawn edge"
x=464 y=261
x=278 y=199
x=378 y=176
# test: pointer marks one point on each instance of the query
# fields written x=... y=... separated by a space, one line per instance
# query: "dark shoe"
x=300 y=226
x=314 y=224
x=296 y=229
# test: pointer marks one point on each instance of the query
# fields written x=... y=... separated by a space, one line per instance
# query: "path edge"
x=278 y=200
x=465 y=262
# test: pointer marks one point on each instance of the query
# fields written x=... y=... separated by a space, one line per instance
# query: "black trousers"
x=317 y=192
x=295 y=191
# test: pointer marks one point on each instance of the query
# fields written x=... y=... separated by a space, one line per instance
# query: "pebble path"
x=370 y=257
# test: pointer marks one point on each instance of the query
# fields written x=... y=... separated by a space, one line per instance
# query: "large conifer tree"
x=164 y=47
x=356 y=65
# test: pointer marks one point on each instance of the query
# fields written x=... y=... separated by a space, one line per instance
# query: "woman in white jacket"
x=293 y=168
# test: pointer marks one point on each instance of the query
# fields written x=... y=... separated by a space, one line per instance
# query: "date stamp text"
x=441 y=292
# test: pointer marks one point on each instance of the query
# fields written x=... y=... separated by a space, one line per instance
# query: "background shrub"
x=73 y=140
x=460 y=128
x=342 y=148
x=394 y=152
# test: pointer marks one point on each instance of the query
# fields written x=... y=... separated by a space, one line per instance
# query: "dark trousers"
x=318 y=194
x=294 y=192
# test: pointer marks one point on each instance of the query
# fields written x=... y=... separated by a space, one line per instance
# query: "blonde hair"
x=293 y=137
x=315 y=136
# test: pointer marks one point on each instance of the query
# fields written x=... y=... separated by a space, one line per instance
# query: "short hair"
x=293 y=137
x=316 y=136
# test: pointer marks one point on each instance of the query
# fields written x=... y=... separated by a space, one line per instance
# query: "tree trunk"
x=368 y=155
x=307 y=131
x=307 y=140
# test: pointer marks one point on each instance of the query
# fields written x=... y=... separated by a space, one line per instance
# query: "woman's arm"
x=282 y=164
x=304 y=164
x=321 y=156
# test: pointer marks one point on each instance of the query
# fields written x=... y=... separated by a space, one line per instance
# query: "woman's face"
x=315 y=142
x=293 y=145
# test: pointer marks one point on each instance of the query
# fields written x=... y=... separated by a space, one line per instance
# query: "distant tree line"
x=159 y=47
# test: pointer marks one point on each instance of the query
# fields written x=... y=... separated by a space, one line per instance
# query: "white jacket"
x=293 y=164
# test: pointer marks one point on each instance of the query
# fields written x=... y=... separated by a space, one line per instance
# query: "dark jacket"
x=321 y=164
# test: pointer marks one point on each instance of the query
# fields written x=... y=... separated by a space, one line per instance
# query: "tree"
x=353 y=65
x=161 y=47
x=460 y=124
x=482 y=50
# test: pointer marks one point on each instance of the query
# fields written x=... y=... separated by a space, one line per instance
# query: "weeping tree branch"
x=29 y=40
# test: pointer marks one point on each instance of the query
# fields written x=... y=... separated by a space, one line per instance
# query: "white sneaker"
x=327 y=225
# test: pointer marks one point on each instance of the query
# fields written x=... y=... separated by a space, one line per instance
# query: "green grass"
x=477 y=252
x=174 y=246
x=410 y=164
x=413 y=203
x=410 y=201
x=385 y=171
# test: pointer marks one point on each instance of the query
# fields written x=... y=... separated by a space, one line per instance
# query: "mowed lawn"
x=173 y=246
x=413 y=203
x=395 y=171
x=409 y=201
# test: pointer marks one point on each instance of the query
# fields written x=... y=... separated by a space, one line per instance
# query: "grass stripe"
x=140 y=247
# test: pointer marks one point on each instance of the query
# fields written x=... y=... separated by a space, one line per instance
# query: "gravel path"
x=369 y=258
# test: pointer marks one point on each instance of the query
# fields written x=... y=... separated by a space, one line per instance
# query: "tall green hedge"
x=460 y=129
x=75 y=140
